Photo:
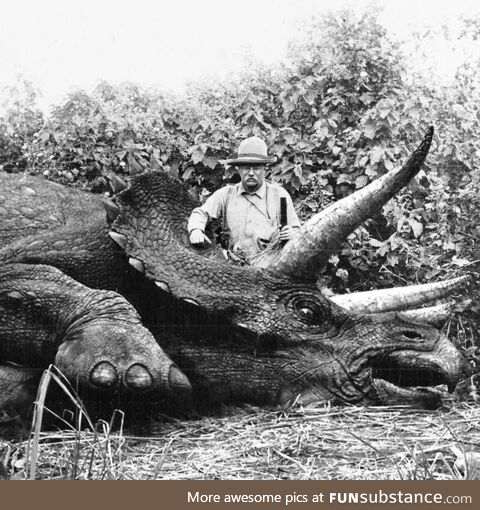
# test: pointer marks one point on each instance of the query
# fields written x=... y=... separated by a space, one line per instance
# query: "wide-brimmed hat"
x=252 y=151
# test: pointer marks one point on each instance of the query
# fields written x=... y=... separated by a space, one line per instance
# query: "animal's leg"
x=18 y=387
x=94 y=337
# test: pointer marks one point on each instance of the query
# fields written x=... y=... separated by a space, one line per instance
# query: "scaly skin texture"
x=240 y=333
x=28 y=207
x=302 y=344
x=94 y=337
x=65 y=228
x=341 y=365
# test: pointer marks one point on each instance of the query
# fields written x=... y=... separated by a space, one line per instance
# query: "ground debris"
x=250 y=443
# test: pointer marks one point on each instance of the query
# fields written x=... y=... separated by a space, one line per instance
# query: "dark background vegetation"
x=343 y=109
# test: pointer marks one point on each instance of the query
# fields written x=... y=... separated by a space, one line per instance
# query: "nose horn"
x=138 y=378
x=104 y=375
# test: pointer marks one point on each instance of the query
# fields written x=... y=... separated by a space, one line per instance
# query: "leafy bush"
x=19 y=125
x=341 y=111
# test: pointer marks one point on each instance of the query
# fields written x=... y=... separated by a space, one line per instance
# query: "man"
x=250 y=210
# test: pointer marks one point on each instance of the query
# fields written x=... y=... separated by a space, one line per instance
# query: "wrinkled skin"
x=293 y=342
x=61 y=227
x=349 y=359
x=94 y=337
x=239 y=333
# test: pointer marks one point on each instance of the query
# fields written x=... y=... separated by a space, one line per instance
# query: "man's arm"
x=200 y=216
x=196 y=226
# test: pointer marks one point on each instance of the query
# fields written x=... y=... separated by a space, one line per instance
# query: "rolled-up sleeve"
x=211 y=209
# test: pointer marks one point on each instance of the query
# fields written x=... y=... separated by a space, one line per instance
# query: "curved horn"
x=399 y=298
x=324 y=232
x=433 y=315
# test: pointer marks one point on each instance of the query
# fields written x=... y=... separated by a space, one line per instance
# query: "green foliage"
x=344 y=109
x=114 y=130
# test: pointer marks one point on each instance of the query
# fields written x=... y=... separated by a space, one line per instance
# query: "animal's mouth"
x=391 y=370
x=422 y=379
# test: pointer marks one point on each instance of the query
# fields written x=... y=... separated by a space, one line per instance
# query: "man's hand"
x=198 y=237
x=287 y=233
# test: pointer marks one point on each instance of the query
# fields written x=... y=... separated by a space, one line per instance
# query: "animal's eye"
x=309 y=311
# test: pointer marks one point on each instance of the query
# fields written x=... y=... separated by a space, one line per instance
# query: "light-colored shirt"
x=252 y=218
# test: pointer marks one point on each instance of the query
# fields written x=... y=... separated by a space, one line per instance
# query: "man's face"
x=252 y=176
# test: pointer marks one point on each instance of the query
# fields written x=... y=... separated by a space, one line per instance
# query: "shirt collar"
x=260 y=191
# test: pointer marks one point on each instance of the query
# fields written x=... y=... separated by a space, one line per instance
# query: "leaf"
x=310 y=97
x=305 y=145
x=197 y=156
x=289 y=137
x=363 y=161
x=361 y=181
x=295 y=181
x=460 y=262
x=210 y=162
x=174 y=170
x=45 y=136
x=342 y=274
x=135 y=167
x=370 y=130
x=389 y=164
x=392 y=259
x=417 y=227
x=288 y=106
x=286 y=167
x=375 y=242
x=311 y=204
x=367 y=98
x=376 y=155
x=414 y=113
x=278 y=149
x=155 y=163
x=188 y=173
x=344 y=178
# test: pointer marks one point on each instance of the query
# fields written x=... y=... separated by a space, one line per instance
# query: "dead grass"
x=376 y=443
x=315 y=443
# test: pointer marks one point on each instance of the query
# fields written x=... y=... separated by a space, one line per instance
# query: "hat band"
x=252 y=155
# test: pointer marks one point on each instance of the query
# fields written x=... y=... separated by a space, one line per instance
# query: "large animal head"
x=286 y=339
x=342 y=359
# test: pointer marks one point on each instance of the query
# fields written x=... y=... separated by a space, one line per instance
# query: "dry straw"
x=249 y=443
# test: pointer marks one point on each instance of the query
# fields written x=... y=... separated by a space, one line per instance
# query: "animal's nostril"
x=138 y=378
x=104 y=375
x=412 y=335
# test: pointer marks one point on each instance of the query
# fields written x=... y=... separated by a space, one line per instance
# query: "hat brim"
x=249 y=161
